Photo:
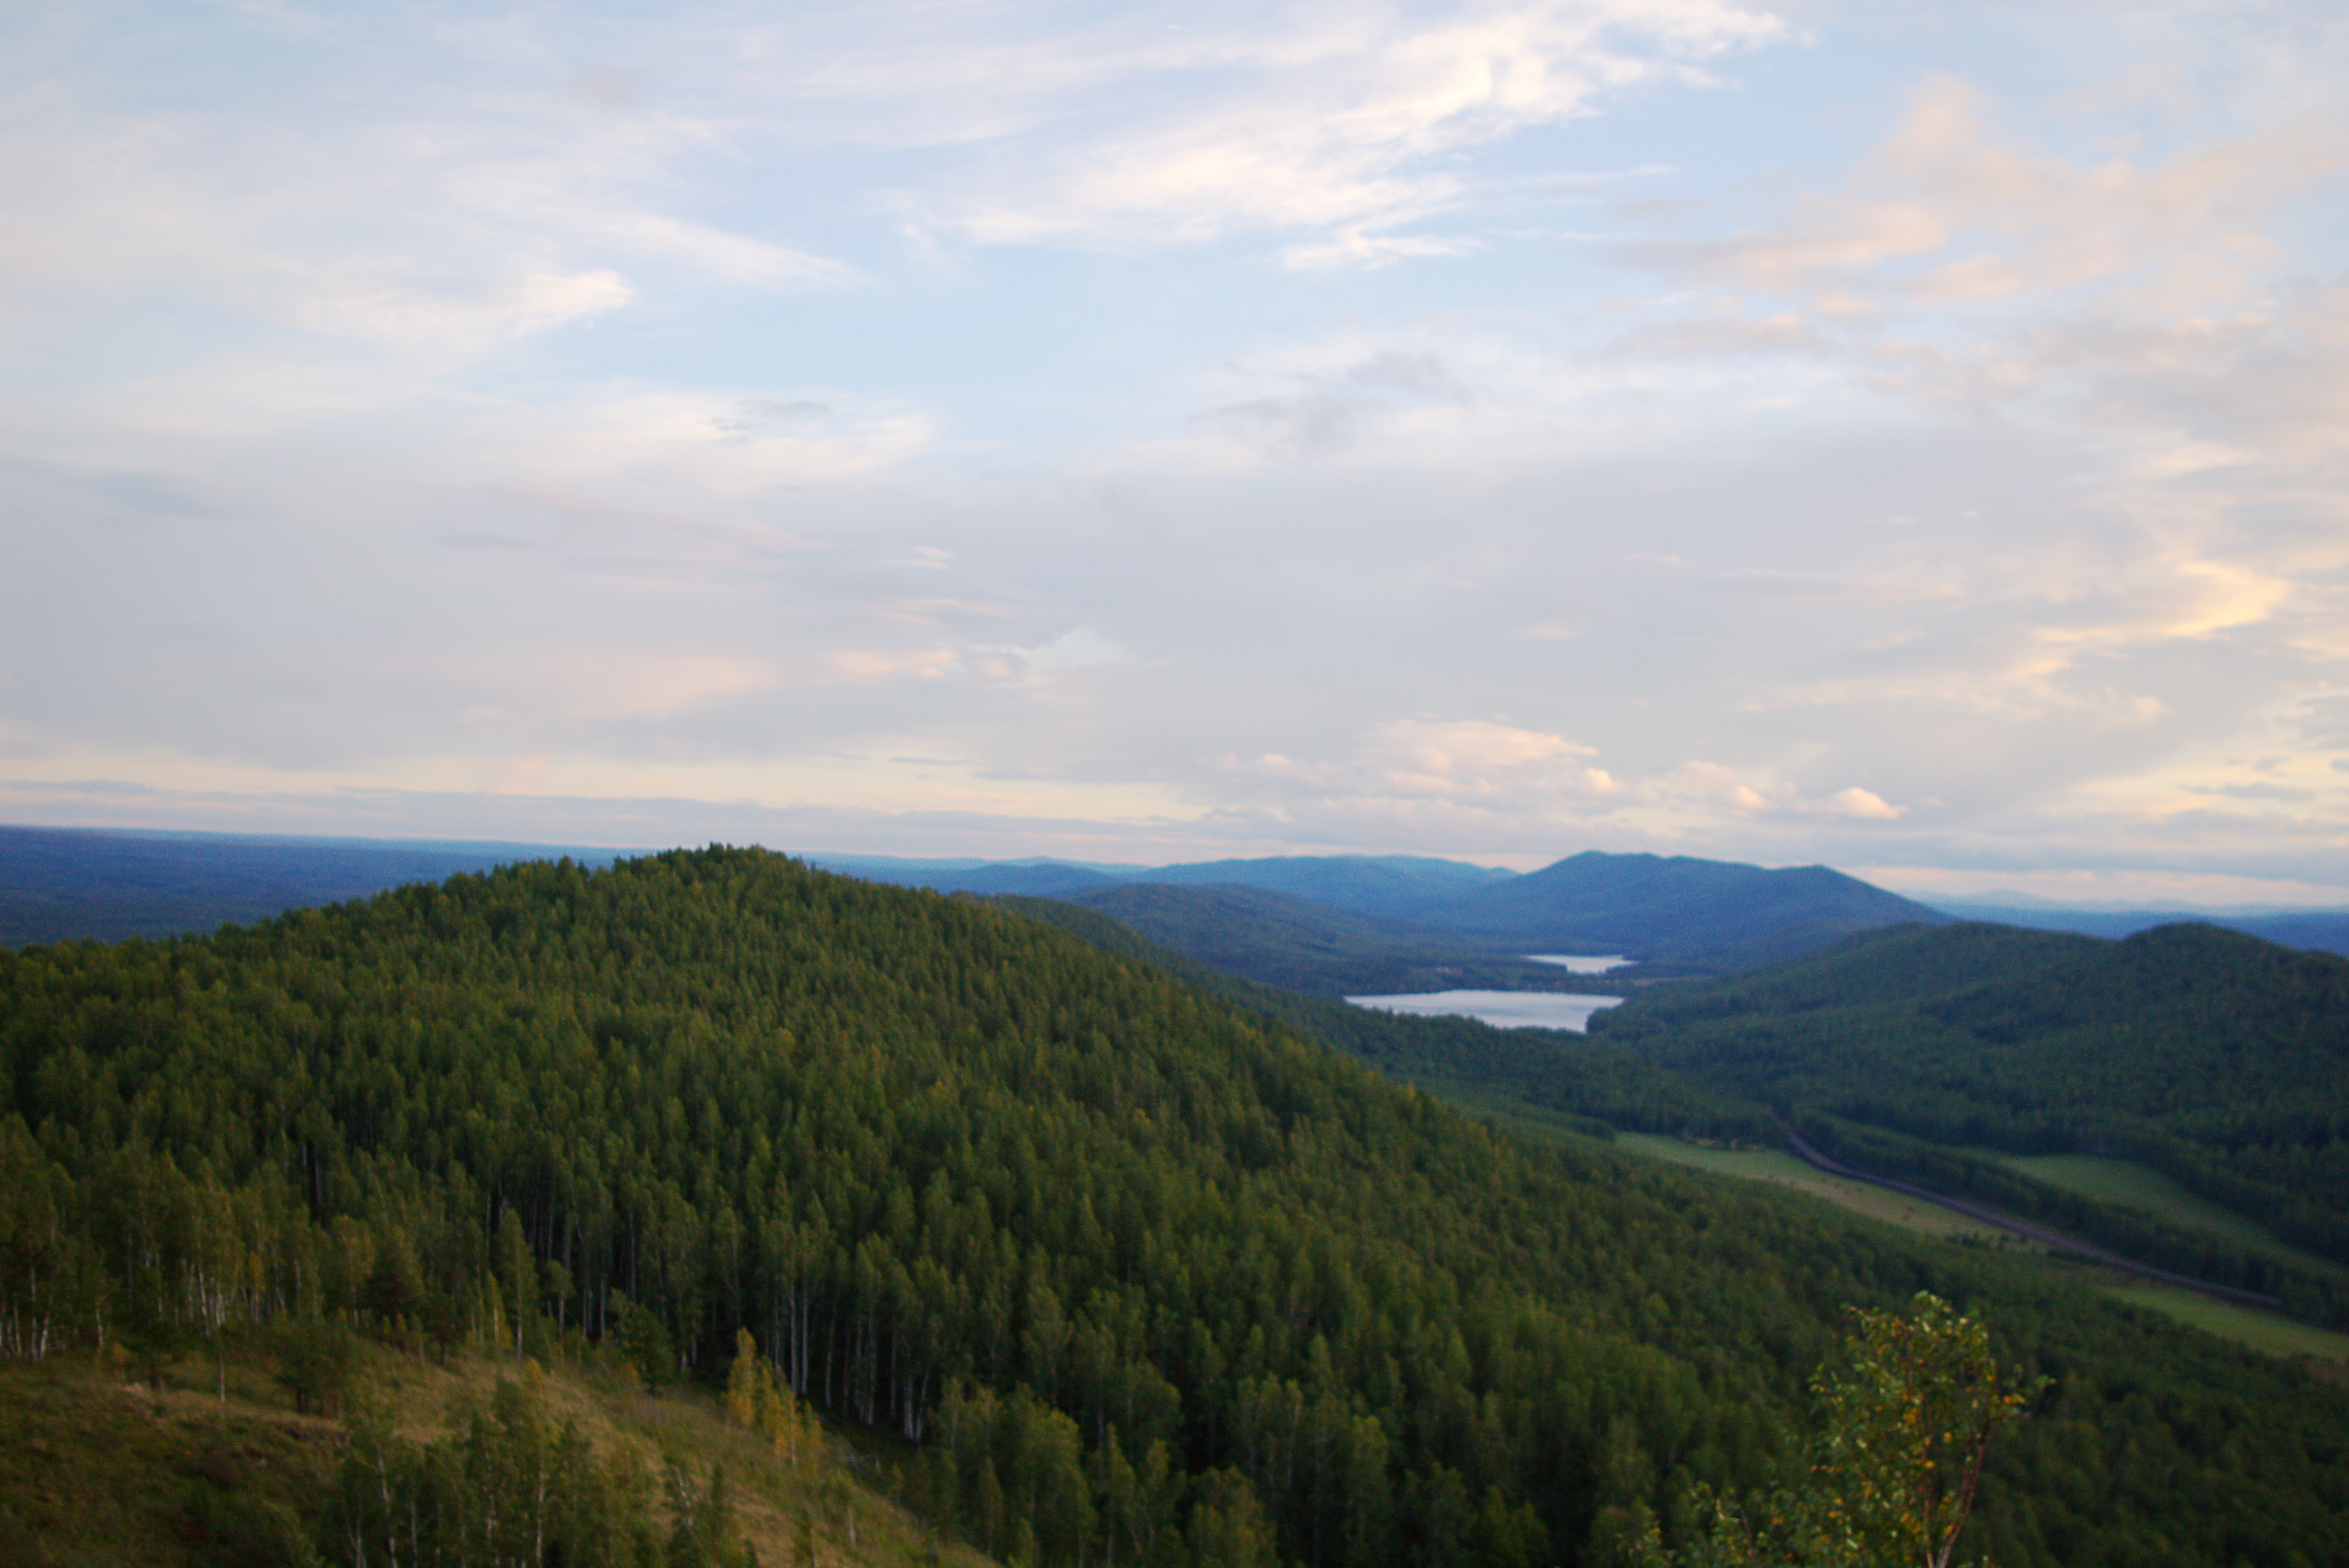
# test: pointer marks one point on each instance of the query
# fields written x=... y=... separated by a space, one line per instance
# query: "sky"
x=1904 y=435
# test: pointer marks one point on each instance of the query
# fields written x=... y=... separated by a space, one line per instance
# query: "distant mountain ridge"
x=1709 y=914
x=1349 y=924
x=1447 y=924
x=2311 y=930
x=66 y=884
x=1311 y=949
x=1392 y=887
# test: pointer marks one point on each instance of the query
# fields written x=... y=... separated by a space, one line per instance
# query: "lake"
x=1502 y=1009
x=1574 y=966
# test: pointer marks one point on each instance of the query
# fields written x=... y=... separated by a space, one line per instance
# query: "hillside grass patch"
x=98 y=1470
x=2130 y=1185
x=2267 y=1332
x=1778 y=1168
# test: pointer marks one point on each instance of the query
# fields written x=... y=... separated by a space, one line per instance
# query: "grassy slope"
x=1781 y=1169
x=95 y=1471
x=2323 y=1350
x=2140 y=1187
x=2263 y=1331
x=2216 y=1056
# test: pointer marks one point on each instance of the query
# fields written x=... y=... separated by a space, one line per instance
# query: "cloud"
x=1330 y=411
x=398 y=195
x=602 y=685
x=1714 y=785
x=1357 y=248
x=1946 y=212
x=2112 y=887
x=694 y=404
x=1298 y=119
x=651 y=439
x=495 y=313
x=1485 y=765
x=1863 y=803
x=1727 y=332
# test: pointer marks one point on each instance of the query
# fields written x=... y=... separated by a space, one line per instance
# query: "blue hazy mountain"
x=1698 y=913
x=1392 y=887
x=1279 y=939
x=2310 y=930
x=59 y=884
x=1352 y=923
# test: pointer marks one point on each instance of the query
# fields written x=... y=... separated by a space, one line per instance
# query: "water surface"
x=1502 y=1009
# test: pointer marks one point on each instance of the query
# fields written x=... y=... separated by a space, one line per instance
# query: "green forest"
x=1132 y=1273
x=2216 y=1058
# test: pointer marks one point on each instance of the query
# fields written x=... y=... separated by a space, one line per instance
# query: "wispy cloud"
x=1298 y=118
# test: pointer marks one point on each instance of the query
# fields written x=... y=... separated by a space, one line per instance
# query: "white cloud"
x=1357 y=248
x=1863 y=803
x=1303 y=119
x=403 y=317
x=1947 y=211
x=1485 y=767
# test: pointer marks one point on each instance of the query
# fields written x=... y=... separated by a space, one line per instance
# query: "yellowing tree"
x=1898 y=1465
x=1907 y=1428
x=742 y=1381
x=756 y=1397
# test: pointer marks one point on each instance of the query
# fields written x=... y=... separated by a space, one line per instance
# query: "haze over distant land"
x=1896 y=437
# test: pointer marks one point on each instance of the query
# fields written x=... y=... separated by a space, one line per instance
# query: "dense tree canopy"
x=1146 y=1278
x=2215 y=1056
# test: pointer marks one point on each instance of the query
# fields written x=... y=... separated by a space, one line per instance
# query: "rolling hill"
x=1310 y=948
x=1386 y=887
x=2216 y=1058
x=1116 y=1264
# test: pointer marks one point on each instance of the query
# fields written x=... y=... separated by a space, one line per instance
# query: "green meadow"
x=2140 y=1187
x=2108 y=1181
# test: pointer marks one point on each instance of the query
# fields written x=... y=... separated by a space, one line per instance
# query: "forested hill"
x=2214 y=1055
x=1310 y=948
x=1147 y=1279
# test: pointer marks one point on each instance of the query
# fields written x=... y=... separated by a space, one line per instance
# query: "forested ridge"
x=1147 y=1279
x=1275 y=939
x=2215 y=1056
